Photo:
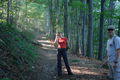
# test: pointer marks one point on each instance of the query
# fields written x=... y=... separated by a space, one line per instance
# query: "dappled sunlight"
x=83 y=70
x=47 y=45
x=43 y=41
x=48 y=48
x=50 y=56
x=43 y=37
x=33 y=34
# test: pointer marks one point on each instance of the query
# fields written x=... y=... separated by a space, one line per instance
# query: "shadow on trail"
x=45 y=67
x=82 y=77
x=83 y=68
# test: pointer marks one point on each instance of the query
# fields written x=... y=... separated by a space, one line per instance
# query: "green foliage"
x=39 y=1
x=78 y=4
x=105 y=66
x=17 y=52
x=32 y=16
x=5 y=79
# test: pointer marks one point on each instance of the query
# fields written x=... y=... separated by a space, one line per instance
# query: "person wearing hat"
x=113 y=52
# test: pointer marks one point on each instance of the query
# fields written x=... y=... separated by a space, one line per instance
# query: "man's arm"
x=117 y=55
x=117 y=47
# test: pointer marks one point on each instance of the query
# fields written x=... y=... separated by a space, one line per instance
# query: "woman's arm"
x=56 y=40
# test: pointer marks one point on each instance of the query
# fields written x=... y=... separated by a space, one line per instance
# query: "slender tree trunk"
x=54 y=15
x=58 y=11
x=11 y=15
x=17 y=13
x=51 y=19
x=65 y=18
x=111 y=8
x=16 y=16
x=84 y=31
x=119 y=27
x=26 y=11
x=101 y=34
x=90 y=29
x=8 y=12
x=77 y=32
x=1 y=15
x=71 y=30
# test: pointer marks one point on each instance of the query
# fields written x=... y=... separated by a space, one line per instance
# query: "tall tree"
x=111 y=8
x=101 y=31
x=66 y=18
x=51 y=19
x=57 y=11
x=90 y=29
x=84 y=30
x=77 y=30
x=1 y=14
x=119 y=26
x=8 y=11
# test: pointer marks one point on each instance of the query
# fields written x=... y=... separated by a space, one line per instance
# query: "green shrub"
x=17 y=52
x=5 y=79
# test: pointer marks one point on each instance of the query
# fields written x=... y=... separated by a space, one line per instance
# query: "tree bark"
x=51 y=20
x=77 y=32
x=111 y=8
x=90 y=29
x=1 y=15
x=119 y=27
x=65 y=18
x=101 y=31
x=8 y=12
x=84 y=31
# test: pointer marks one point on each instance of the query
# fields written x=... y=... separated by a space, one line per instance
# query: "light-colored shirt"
x=112 y=45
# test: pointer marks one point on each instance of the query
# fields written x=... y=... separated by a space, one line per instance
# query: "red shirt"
x=62 y=42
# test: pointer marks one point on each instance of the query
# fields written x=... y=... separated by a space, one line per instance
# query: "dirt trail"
x=44 y=69
x=83 y=68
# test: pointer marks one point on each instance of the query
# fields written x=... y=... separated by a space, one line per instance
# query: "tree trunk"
x=1 y=15
x=11 y=15
x=77 y=32
x=65 y=18
x=57 y=11
x=84 y=31
x=51 y=20
x=101 y=33
x=8 y=12
x=90 y=29
x=119 y=27
x=111 y=8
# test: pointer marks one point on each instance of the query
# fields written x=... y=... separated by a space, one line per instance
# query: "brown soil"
x=82 y=68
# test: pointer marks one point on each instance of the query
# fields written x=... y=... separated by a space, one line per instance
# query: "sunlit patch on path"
x=82 y=68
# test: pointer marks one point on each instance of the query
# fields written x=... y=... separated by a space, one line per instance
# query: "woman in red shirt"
x=62 y=45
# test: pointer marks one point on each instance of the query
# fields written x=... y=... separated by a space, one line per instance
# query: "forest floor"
x=82 y=68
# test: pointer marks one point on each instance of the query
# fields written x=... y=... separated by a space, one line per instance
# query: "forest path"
x=83 y=68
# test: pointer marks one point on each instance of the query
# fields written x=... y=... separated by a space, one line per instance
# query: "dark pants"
x=62 y=53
